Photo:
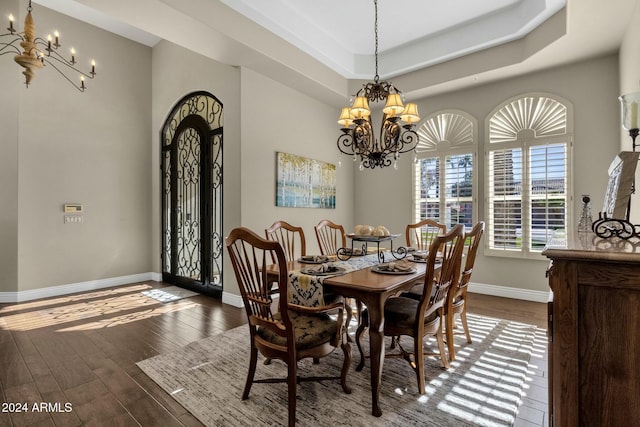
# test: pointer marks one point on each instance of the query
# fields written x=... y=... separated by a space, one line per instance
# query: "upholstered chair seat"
x=310 y=331
x=401 y=312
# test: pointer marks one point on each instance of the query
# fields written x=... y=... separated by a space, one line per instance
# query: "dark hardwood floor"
x=76 y=354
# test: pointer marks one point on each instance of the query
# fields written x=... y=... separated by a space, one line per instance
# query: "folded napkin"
x=315 y=258
x=323 y=268
x=422 y=255
x=397 y=266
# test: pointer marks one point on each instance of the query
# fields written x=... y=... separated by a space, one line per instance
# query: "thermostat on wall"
x=72 y=208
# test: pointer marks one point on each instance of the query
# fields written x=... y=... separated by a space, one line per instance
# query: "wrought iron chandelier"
x=34 y=52
x=358 y=139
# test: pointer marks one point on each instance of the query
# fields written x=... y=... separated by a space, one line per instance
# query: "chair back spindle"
x=331 y=237
x=290 y=237
x=421 y=234
x=250 y=256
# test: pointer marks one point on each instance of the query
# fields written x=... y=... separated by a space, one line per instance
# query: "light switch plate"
x=73 y=219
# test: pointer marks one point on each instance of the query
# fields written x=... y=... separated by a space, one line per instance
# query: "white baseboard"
x=507 y=292
x=92 y=285
x=476 y=288
x=229 y=298
x=232 y=299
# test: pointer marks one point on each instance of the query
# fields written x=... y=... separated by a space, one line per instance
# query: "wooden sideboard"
x=594 y=331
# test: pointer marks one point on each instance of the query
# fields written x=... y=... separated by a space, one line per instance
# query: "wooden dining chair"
x=421 y=234
x=424 y=317
x=457 y=298
x=293 y=332
x=331 y=237
x=290 y=237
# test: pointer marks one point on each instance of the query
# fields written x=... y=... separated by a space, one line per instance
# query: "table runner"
x=305 y=289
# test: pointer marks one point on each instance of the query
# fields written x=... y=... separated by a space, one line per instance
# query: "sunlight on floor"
x=128 y=318
x=119 y=306
x=30 y=305
x=494 y=386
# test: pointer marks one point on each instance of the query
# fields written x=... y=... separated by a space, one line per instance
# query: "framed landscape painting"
x=304 y=183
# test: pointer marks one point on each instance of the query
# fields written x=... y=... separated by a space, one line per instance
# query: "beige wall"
x=384 y=196
x=65 y=146
x=10 y=78
x=630 y=82
x=177 y=72
x=298 y=125
x=101 y=149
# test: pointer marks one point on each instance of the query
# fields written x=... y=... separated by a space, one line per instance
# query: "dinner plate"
x=332 y=272
x=313 y=259
x=381 y=268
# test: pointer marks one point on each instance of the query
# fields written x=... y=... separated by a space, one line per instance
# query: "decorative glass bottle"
x=585 y=221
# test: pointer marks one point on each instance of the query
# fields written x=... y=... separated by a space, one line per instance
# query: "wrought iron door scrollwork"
x=192 y=241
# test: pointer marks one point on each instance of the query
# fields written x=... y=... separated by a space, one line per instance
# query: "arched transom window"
x=444 y=169
x=527 y=173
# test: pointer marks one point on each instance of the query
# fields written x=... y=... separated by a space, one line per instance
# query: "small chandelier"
x=37 y=52
x=357 y=137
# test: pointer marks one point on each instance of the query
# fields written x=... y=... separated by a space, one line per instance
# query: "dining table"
x=373 y=289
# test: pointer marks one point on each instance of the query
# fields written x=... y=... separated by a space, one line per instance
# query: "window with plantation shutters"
x=527 y=174
x=444 y=171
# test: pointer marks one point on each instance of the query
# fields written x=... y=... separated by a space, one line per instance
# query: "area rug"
x=483 y=387
x=169 y=293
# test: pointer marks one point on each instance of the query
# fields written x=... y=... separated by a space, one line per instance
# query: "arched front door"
x=192 y=243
